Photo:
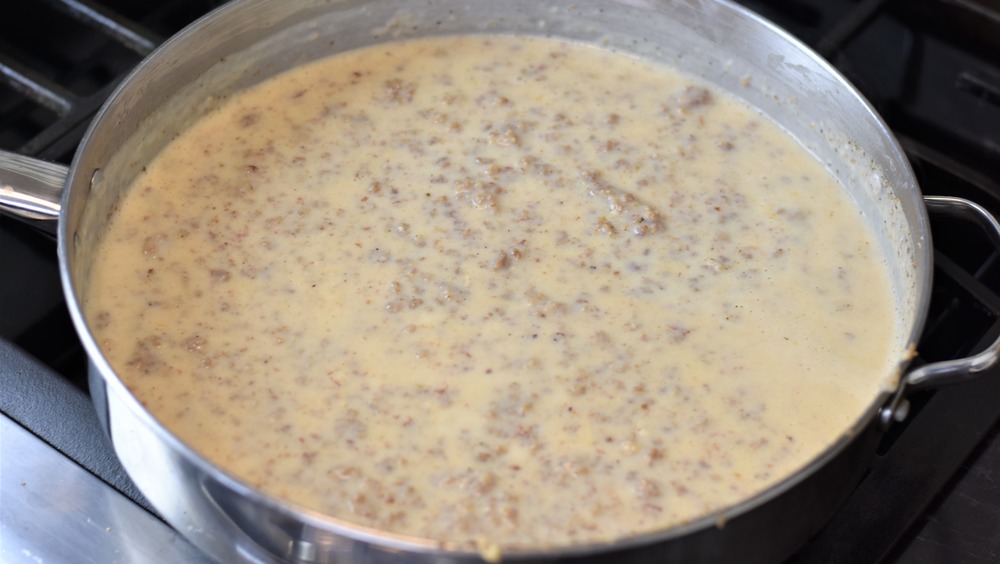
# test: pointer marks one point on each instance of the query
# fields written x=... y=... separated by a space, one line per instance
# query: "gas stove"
x=931 y=494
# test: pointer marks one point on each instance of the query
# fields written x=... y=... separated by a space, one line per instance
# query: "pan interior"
x=710 y=41
x=724 y=45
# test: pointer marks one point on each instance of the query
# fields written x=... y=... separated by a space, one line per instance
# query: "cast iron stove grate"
x=928 y=66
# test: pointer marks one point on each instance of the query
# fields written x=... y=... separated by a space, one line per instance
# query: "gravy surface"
x=495 y=291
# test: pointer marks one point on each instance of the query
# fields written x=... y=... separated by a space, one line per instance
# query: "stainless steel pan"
x=248 y=41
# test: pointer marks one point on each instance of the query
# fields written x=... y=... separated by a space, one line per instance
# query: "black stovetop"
x=930 y=67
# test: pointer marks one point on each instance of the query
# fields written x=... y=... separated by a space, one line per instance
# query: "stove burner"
x=930 y=67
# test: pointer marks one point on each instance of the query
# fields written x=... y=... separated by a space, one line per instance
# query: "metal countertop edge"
x=54 y=511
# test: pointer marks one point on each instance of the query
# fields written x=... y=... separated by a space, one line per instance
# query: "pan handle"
x=31 y=189
x=937 y=374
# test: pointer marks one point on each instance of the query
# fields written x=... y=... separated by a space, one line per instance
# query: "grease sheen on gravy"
x=496 y=292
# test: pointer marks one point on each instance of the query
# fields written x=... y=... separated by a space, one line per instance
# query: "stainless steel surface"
x=718 y=41
x=954 y=371
x=54 y=511
x=937 y=374
x=721 y=43
x=30 y=188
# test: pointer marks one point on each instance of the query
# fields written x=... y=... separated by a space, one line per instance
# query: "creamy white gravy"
x=495 y=291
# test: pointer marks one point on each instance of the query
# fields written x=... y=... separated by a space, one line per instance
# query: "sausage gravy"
x=498 y=292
